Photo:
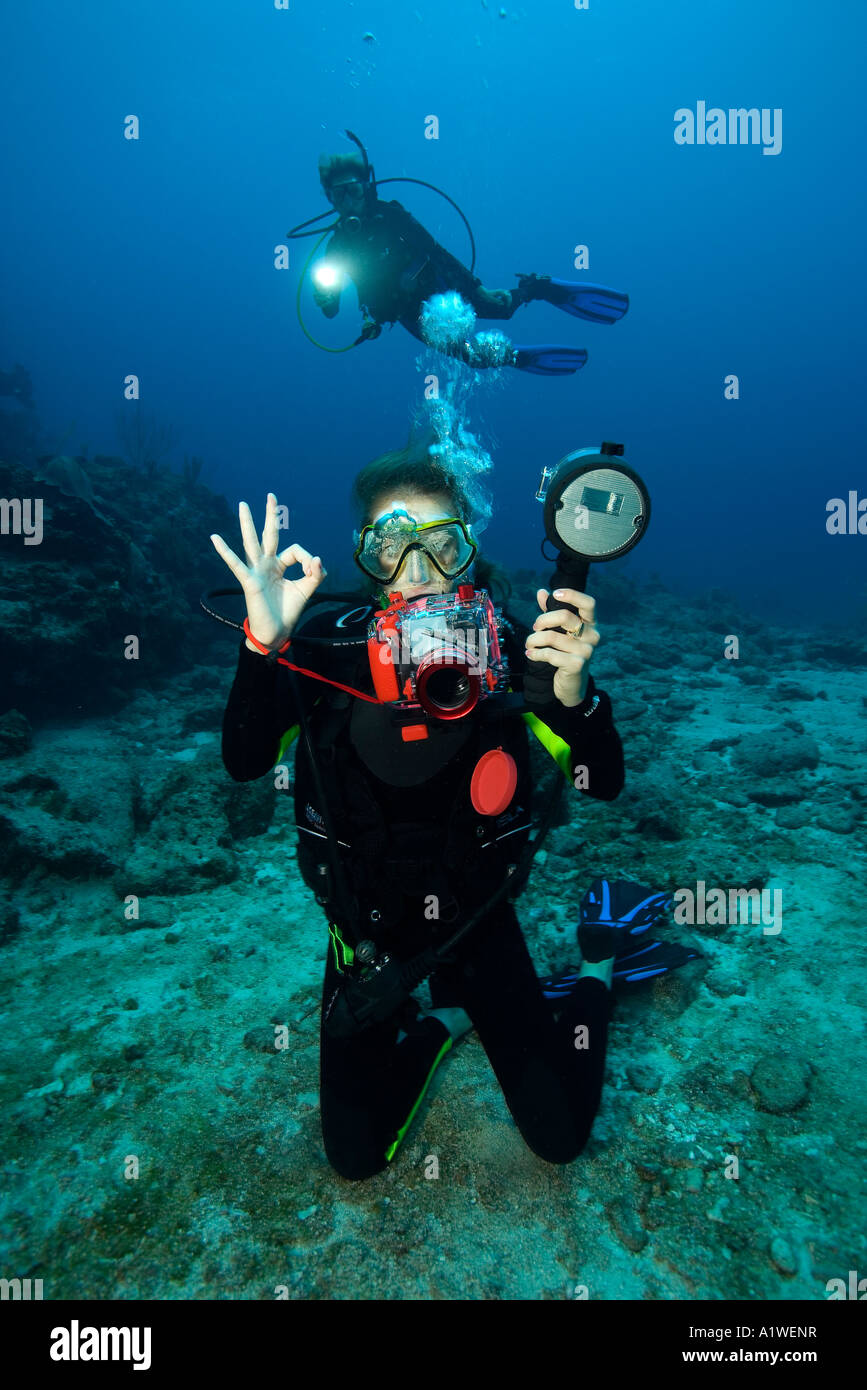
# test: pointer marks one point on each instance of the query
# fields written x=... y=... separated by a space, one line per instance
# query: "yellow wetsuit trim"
x=343 y=954
x=392 y=1148
x=551 y=742
x=286 y=742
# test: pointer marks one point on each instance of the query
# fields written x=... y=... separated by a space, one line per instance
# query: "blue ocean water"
x=735 y=383
x=556 y=128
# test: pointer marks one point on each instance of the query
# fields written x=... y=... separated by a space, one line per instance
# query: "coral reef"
x=113 y=563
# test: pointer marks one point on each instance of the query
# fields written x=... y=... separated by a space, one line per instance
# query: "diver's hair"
x=411 y=470
x=333 y=166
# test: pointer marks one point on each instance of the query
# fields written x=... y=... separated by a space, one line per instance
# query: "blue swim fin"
x=643 y=962
x=549 y=360
x=616 y=914
x=596 y=303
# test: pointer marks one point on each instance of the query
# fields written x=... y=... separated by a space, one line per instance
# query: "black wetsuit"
x=409 y=836
x=395 y=265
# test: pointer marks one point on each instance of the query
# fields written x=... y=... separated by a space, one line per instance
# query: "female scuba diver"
x=413 y=803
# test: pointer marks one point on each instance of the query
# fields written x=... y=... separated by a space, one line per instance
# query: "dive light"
x=327 y=275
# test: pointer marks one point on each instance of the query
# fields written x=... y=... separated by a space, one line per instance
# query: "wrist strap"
x=272 y=654
x=256 y=643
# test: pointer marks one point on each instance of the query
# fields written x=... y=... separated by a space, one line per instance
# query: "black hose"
x=204 y=604
x=424 y=184
x=297 y=232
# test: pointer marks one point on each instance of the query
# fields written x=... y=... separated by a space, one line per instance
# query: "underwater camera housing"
x=439 y=654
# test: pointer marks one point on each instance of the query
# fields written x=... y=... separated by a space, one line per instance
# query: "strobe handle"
x=571 y=573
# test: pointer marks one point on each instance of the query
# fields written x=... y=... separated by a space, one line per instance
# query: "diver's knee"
x=355 y=1167
x=558 y=1150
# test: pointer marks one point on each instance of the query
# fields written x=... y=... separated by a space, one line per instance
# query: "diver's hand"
x=326 y=300
x=569 y=651
x=274 y=603
x=493 y=299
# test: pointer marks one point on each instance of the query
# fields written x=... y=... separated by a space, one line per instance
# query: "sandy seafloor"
x=155 y=1038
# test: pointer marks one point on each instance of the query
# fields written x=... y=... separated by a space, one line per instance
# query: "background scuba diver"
x=402 y=814
x=395 y=265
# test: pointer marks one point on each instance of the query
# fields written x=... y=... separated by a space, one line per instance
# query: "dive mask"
x=385 y=543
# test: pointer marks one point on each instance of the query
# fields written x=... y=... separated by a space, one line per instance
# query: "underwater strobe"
x=596 y=508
